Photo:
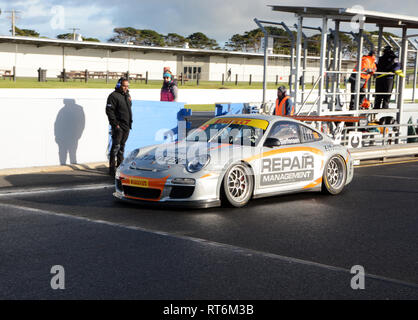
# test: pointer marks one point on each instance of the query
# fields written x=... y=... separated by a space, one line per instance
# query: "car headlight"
x=131 y=156
x=198 y=163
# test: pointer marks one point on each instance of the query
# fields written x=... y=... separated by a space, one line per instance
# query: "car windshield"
x=240 y=131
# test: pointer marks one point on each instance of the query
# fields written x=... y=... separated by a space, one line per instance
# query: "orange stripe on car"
x=220 y=146
x=205 y=176
x=284 y=150
x=313 y=184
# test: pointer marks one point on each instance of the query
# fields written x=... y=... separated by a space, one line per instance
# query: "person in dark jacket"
x=119 y=113
x=169 y=91
x=384 y=83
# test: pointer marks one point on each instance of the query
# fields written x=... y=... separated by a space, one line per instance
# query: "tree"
x=252 y=40
x=138 y=37
x=201 y=41
x=237 y=42
x=123 y=34
x=149 y=38
x=70 y=36
x=66 y=36
x=26 y=32
x=91 y=39
x=174 y=40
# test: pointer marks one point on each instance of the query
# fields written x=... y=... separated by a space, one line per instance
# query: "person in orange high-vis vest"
x=284 y=105
x=368 y=68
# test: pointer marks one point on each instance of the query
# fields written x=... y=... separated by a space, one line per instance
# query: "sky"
x=218 y=19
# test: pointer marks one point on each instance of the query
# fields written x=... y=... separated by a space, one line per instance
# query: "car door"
x=292 y=165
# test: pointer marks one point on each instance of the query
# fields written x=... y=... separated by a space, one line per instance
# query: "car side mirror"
x=272 y=142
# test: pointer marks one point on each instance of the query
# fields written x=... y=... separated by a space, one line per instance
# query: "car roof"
x=268 y=117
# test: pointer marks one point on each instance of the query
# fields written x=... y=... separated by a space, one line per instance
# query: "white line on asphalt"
x=20 y=192
x=236 y=249
x=394 y=177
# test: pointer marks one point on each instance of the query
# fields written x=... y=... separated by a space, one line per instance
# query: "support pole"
x=265 y=59
x=414 y=81
x=359 y=56
x=292 y=57
x=298 y=60
x=304 y=67
x=415 y=76
x=402 y=79
x=335 y=63
x=379 y=42
x=322 y=63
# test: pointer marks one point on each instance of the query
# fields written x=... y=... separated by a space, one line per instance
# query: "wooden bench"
x=179 y=78
x=97 y=75
x=6 y=74
x=136 y=77
x=116 y=75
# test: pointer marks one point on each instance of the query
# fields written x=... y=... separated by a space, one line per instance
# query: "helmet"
x=282 y=89
x=387 y=49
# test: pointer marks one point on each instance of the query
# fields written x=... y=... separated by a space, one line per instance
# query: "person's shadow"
x=68 y=128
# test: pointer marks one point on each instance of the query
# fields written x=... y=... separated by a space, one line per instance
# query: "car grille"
x=145 y=193
x=181 y=192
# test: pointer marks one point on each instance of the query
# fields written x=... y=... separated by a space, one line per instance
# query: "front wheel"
x=335 y=175
x=237 y=186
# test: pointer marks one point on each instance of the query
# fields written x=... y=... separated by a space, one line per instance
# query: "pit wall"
x=35 y=124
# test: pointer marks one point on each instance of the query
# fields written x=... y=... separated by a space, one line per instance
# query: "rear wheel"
x=335 y=175
x=237 y=186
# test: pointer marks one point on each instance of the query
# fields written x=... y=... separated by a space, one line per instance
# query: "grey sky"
x=219 y=19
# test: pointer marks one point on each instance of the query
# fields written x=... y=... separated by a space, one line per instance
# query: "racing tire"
x=237 y=186
x=334 y=176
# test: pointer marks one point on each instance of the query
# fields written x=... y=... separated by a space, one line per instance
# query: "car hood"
x=165 y=156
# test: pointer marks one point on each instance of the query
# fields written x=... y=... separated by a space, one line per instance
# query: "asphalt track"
x=299 y=246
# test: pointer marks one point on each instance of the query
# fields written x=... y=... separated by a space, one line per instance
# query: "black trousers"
x=119 y=137
x=384 y=84
x=353 y=90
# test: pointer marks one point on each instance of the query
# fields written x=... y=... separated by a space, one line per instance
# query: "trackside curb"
x=61 y=168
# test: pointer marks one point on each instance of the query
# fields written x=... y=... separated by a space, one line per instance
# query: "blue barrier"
x=229 y=108
x=235 y=108
x=154 y=122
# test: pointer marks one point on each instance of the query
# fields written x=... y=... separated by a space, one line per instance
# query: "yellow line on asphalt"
x=385 y=164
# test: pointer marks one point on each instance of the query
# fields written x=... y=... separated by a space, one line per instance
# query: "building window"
x=191 y=72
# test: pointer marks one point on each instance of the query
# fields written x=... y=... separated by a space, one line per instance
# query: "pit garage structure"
x=329 y=99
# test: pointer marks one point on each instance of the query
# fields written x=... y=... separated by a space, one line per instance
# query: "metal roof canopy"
x=339 y=15
x=346 y=14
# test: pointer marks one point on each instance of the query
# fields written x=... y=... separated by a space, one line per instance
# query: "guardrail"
x=379 y=134
x=385 y=152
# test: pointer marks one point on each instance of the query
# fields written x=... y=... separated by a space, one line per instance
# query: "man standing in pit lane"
x=119 y=113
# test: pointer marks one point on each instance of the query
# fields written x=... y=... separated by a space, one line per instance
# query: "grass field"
x=101 y=84
x=53 y=83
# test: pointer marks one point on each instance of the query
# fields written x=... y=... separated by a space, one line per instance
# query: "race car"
x=231 y=159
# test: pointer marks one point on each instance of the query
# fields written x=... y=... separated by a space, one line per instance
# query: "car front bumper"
x=161 y=189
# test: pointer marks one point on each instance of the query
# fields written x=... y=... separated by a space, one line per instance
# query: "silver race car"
x=230 y=159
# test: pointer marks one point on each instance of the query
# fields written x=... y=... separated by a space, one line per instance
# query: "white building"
x=29 y=54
